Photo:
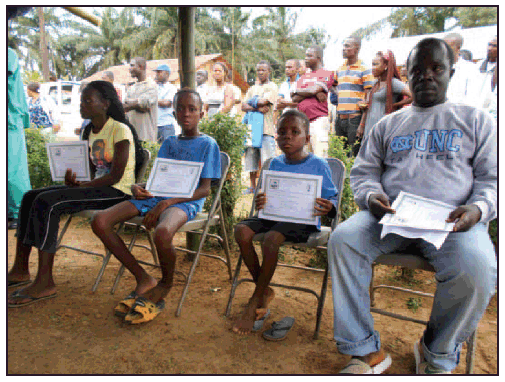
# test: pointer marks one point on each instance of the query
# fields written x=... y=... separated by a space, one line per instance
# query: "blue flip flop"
x=279 y=329
x=21 y=295
x=258 y=324
x=12 y=284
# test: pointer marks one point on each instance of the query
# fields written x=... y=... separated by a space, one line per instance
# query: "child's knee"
x=243 y=234
x=99 y=223
x=272 y=241
x=163 y=235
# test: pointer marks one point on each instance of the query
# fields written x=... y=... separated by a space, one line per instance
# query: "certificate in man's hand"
x=413 y=211
x=291 y=197
x=174 y=178
x=64 y=155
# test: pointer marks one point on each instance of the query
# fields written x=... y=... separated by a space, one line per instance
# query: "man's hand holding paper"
x=418 y=217
x=465 y=217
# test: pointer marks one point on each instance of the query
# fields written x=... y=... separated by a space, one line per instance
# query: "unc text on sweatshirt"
x=447 y=152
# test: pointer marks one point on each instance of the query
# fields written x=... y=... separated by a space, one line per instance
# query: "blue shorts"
x=146 y=205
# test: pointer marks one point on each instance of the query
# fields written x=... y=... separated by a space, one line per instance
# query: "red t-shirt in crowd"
x=310 y=106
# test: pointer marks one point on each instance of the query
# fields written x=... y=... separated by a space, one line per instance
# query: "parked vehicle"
x=67 y=97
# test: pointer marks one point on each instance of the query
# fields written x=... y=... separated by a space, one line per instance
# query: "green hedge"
x=38 y=163
x=337 y=149
x=230 y=134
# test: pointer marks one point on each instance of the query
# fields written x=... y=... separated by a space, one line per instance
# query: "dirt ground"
x=77 y=333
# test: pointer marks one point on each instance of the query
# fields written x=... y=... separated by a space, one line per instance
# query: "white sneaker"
x=357 y=366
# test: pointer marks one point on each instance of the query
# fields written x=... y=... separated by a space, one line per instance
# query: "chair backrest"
x=217 y=184
x=338 y=176
x=143 y=167
x=225 y=164
x=337 y=168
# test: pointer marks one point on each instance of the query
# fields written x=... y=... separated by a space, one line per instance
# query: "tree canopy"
x=411 y=21
x=79 y=49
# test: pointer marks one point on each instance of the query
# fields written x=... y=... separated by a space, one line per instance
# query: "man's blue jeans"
x=164 y=132
x=466 y=273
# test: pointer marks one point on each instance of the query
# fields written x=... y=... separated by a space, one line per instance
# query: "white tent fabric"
x=474 y=39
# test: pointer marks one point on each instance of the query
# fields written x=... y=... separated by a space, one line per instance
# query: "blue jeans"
x=164 y=132
x=466 y=273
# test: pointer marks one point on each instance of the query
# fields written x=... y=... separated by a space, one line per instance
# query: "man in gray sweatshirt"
x=438 y=150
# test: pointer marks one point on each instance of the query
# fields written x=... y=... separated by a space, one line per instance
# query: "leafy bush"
x=38 y=163
x=493 y=231
x=230 y=135
x=337 y=149
x=153 y=147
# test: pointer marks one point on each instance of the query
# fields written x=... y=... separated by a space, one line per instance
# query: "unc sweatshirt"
x=447 y=152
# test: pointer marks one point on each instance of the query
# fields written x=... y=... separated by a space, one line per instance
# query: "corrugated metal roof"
x=122 y=72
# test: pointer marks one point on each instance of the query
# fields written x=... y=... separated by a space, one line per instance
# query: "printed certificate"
x=73 y=155
x=291 y=197
x=174 y=178
x=414 y=211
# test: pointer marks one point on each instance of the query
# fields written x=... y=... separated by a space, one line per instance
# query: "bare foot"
x=145 y=284
x=245 y=323
x=32 y=290
x=156 y=294
x=264 y=302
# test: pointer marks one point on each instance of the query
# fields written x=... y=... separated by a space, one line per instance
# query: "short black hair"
x=223 y=65
x=265 y=62
x=429 y=42
x=34 y=87
x=140 y=61
x=466 y=54
x=318 y=50
x=187 y=91
x=355 y=40
x=297 y=114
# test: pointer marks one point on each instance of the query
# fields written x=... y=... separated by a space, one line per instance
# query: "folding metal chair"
x=413 y=261
x=316 y=240
x=89 y=214
x=200 y=225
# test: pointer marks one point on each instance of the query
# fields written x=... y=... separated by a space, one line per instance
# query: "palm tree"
x=103 y=47
x=24 y=32
x=156 y=36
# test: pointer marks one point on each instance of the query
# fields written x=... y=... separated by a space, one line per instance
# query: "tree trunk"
x=43 y=46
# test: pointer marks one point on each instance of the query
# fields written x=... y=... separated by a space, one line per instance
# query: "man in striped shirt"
x=354 y=82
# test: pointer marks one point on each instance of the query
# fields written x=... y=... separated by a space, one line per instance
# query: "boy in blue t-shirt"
x=292 y=136
x=166 y=215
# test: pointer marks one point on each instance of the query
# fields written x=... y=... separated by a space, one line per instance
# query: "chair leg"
x=102 y=270
x=470 y=352
x=122 y=268
x=153 y=248
x=192 y=271
x=225 y=240
x=372 y=289
x=105 y=261
x=320 y=303
x=63 y=231
x=234 y=285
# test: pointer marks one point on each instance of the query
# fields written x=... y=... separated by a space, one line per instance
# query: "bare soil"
x=77 y=333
